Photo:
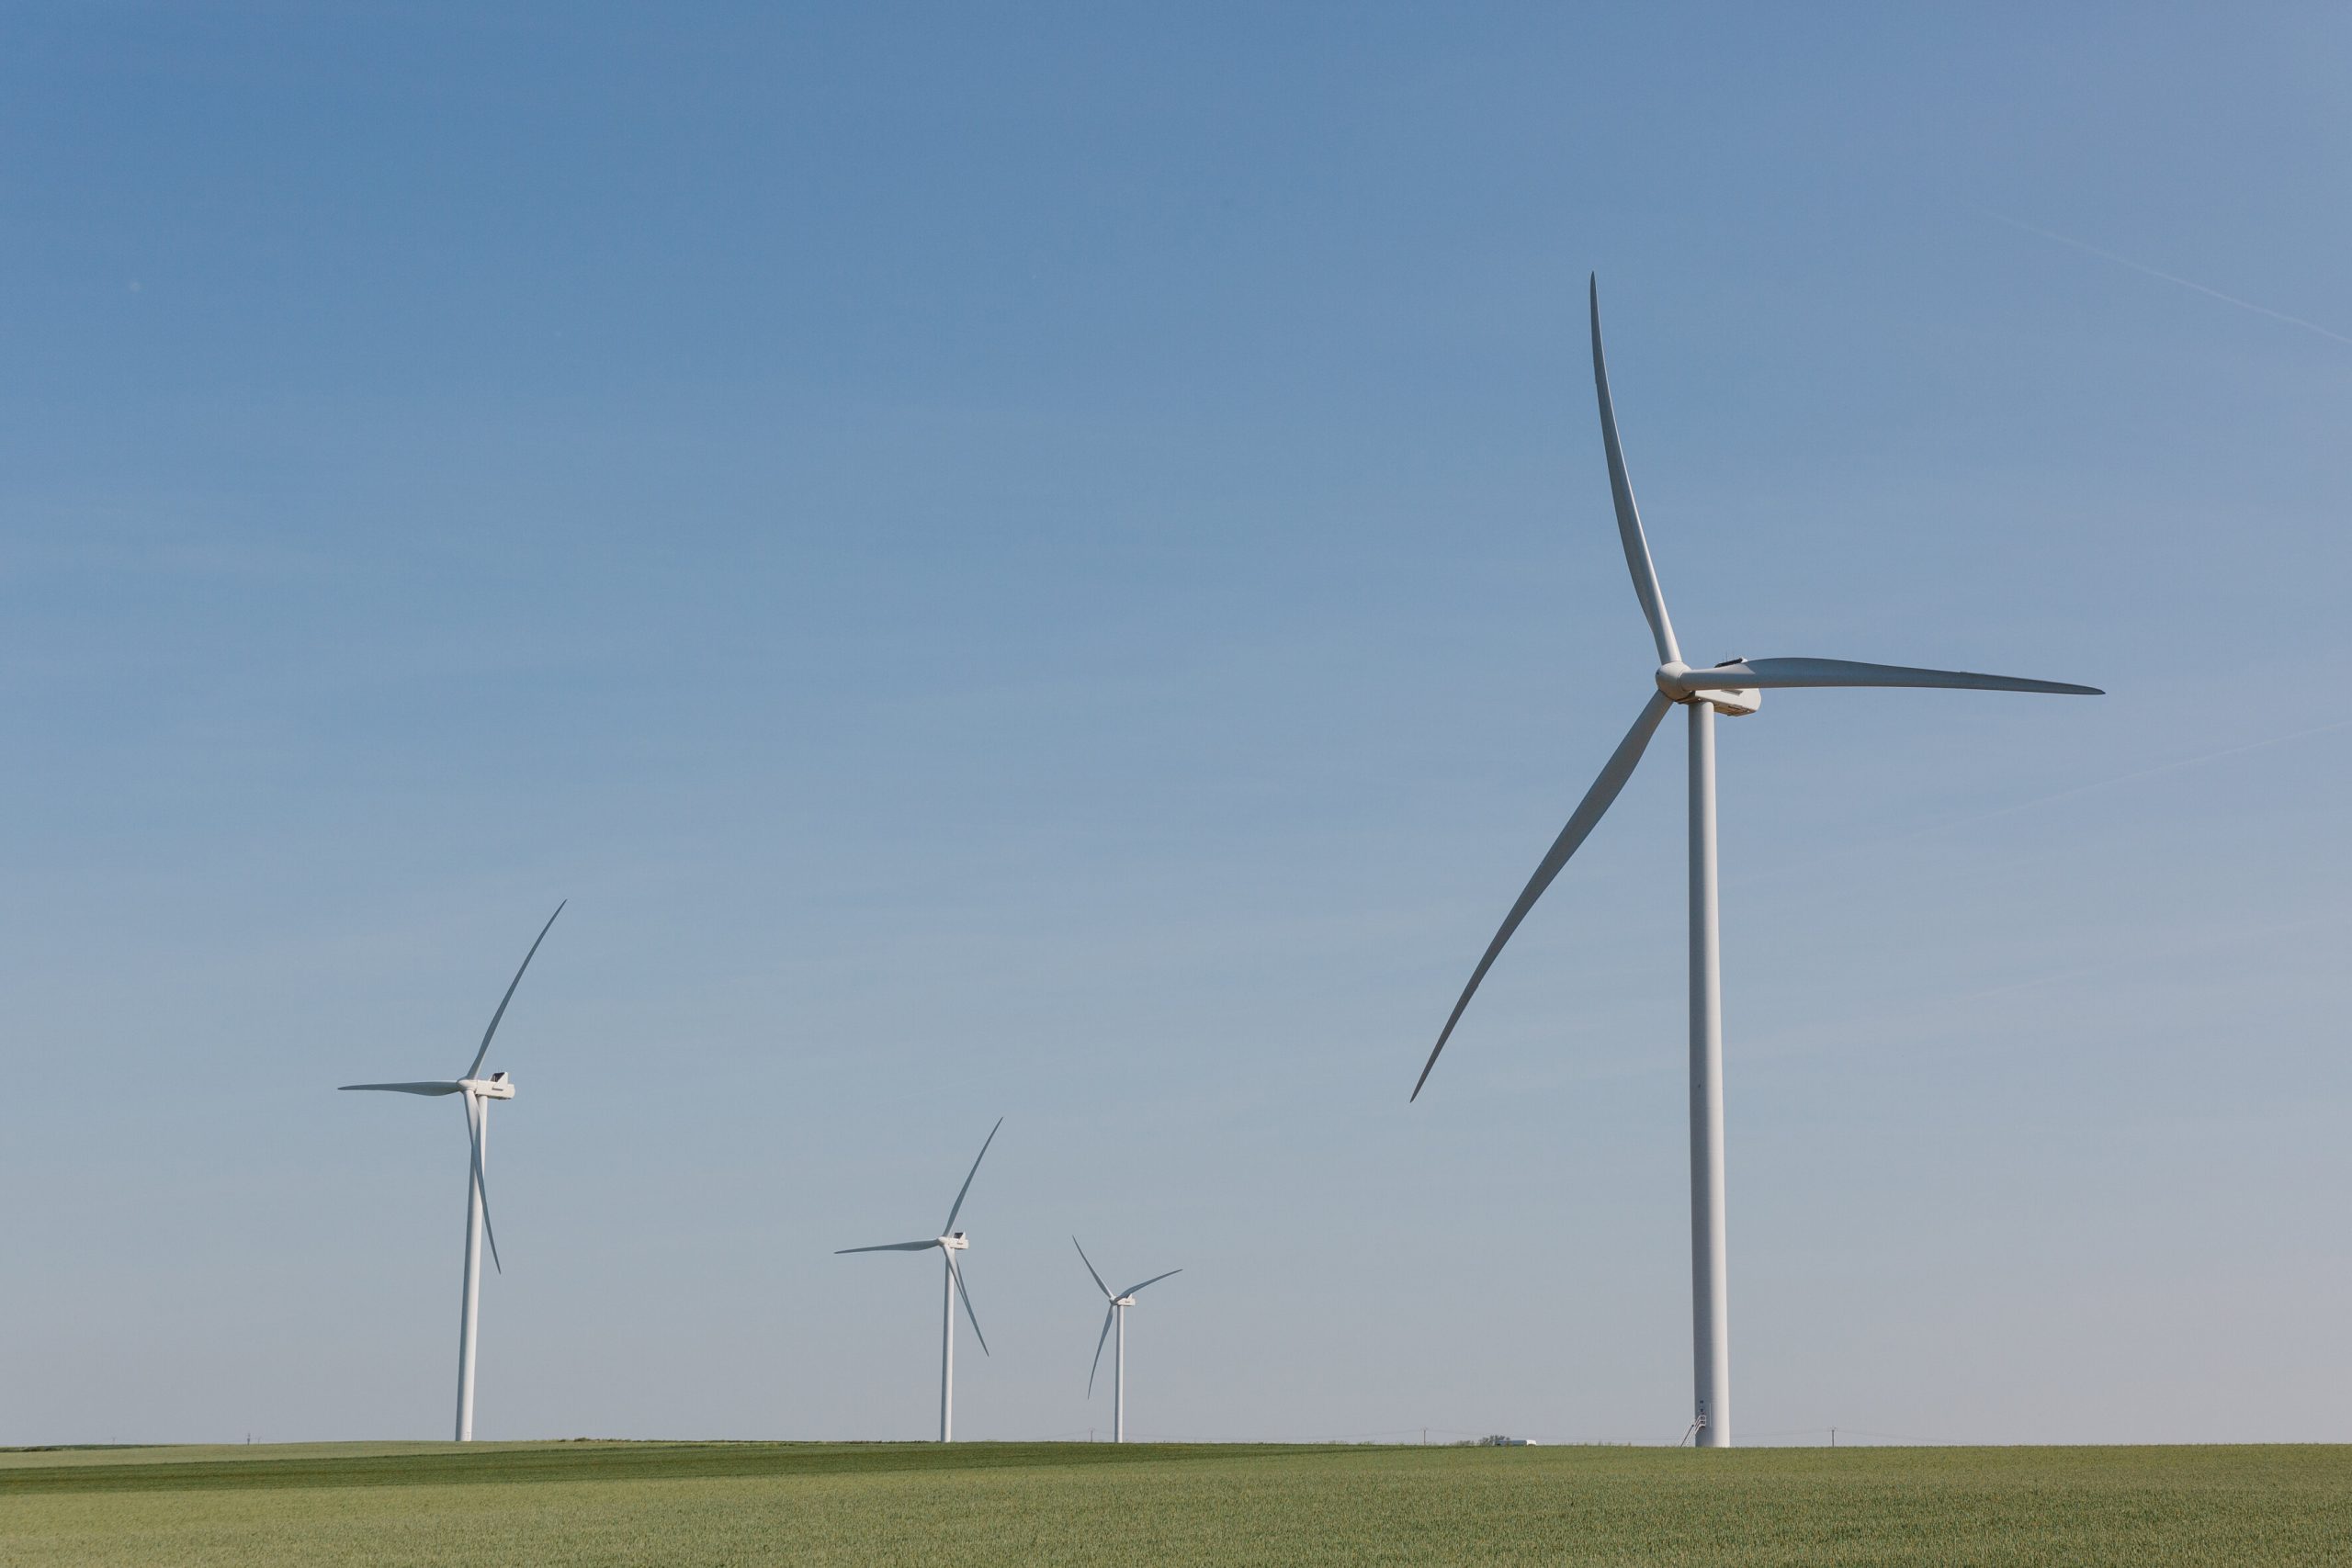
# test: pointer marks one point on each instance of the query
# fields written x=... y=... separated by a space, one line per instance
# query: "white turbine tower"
x=1734 y=688
x=1116 y=1313
x=479 y=1092
x=950 y=1241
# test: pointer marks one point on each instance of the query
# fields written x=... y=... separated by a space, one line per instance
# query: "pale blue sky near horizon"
x=1055 y=562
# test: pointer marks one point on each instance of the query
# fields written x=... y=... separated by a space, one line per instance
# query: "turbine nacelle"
x=956 y=1241
x=1735 y=702
x=498 y=1086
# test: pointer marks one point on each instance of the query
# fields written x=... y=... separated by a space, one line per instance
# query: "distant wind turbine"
x=479 y=1092
x=1733 y=687
x=1116 y=1313
x=950 y=1241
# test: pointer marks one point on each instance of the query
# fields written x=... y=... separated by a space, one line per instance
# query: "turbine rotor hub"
x=1673 y=681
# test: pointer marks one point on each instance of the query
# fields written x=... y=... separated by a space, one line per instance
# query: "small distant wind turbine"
x=1116 y=1313
x=479 y=1092
x=1733 y=687
x=950 y=1241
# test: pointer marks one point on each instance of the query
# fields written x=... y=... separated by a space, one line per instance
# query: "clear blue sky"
x=1056 y=562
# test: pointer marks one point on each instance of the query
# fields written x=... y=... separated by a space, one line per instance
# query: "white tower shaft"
x=478 y=1118
x=1119 y=1380
x=947 y=1349
x=1710 y=1309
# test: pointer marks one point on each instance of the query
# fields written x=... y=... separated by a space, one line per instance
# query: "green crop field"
x=582 y=1504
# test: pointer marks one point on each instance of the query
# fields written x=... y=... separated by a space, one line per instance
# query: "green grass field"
x=584 y=1503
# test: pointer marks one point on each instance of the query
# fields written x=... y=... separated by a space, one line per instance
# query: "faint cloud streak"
x=2326 y=332
x=2094 y=786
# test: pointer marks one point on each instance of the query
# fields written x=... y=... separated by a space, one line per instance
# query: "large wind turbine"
x=1115 y=1312
x=1733 y=687
x=950 y=1241
x=479 y=1092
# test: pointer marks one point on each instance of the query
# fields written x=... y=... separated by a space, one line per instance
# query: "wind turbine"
x=1115 y=1312
x=1733 y=687
x=479 y=1092
x=950 y=1241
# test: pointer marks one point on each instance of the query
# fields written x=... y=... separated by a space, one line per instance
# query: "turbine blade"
x=1108 y=1313
x=1131 y=1290
x=510 y=992
x=958 y=1207
x=407 y=1088
x=1766 y=674
x=1090 y=1268
x=1613 y=774
x=473 y=1138
x=1629 y=519
x=889 y=1247
x=966 y=1297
